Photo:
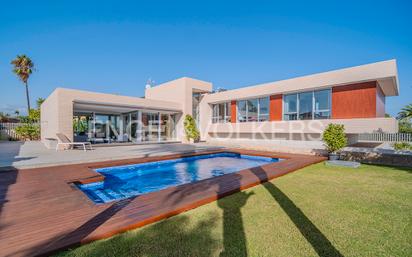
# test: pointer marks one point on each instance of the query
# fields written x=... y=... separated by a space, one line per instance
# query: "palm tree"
x=405 y=113
x=17 y=112
x=23 y=67
x=39 y=101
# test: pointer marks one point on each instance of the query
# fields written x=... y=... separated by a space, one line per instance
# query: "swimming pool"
x=132 y=180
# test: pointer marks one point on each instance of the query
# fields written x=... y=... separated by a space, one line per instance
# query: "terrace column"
x=139 y=127
x=159 y=121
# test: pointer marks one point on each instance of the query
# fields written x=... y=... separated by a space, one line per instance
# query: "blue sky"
x=115 y=46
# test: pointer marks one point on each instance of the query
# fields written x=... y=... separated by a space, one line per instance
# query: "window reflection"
x=307 y=105
x=253 y=110
x=221 y=112
x=290 y=107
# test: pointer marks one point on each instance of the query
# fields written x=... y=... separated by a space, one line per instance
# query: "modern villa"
x=287 y=114
x=94 y=195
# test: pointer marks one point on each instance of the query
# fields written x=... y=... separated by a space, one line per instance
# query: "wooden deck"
x=42 y=212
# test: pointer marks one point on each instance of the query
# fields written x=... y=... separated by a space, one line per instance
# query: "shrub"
x=190 y=128
x=399 y=146
x=2 y=137
x=405 y=126
x=33 y=117
x=80 y=125
x=334 y=137
x=29 y=131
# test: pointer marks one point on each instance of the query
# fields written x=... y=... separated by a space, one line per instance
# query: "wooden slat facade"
x=42 y=212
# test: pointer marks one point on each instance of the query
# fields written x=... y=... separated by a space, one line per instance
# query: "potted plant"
x=335 y=139
x=192 y=133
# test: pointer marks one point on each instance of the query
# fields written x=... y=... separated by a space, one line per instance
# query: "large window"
x=264 y=109
x=253 y=110
x=242 y=111
x=195 y=106
x=322 y=104
x=290 y=107
x=150 y=126
x=221 y=112
x=307 y=105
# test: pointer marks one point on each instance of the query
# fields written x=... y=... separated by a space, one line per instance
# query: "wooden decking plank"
x=40 y=212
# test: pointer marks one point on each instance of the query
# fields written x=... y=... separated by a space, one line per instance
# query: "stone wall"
x=391 y=159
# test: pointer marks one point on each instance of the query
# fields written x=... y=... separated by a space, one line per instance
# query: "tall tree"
x=39 y=101
x=405 y=113
x=23 y=68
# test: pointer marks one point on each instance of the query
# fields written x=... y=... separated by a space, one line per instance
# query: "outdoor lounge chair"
x=66 y=141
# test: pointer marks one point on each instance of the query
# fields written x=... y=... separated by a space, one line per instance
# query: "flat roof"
x=385 y=73
x=108 y=108
x=102 y=100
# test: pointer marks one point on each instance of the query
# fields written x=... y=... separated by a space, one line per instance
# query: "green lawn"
x=316 y=211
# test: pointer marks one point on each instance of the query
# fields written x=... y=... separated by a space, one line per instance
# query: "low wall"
x=285 y=146
x=381 y=158
x=50 y=143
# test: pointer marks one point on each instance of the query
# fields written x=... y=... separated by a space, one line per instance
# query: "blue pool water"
x=132 y=180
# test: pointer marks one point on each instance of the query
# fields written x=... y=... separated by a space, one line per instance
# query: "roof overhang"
x=389 y=86
x=109 y=108
x=384 y=73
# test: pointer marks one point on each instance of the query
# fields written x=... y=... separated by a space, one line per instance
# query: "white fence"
x=8 y=131
x=386 y=137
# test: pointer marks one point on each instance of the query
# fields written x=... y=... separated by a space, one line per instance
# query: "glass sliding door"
x=114 y=123
x=133 y=126
x=150 y=126
x=165 y=127
x=136 y=126
x=242 y=111
x=101 y=127
x=82 y=127
x=106 y=128
x=126 y=123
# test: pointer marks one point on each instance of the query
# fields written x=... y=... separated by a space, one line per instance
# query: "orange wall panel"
x=275 y=107
x=233 y=111
x=354 y=101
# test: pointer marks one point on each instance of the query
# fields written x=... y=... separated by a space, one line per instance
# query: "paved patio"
x=34 y=154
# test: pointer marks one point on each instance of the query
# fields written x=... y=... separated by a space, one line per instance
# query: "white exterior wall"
x=385 y=73
x=179 y=91
x=290 y=136
x=49 y=118
x=57 y=110
x=352 y=126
